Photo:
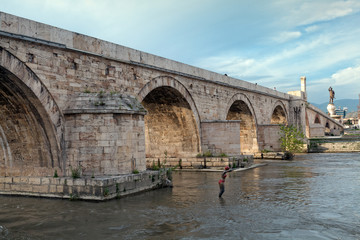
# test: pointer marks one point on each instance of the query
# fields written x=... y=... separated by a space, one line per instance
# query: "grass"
x=75 y=173
x=106 y=192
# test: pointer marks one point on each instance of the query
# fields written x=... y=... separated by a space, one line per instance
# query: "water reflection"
x=314 y=197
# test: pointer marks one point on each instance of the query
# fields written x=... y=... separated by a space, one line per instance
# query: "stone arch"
x=279 y=114
x=31 y=124
x=240 y=108
x=327 y=128
x=172 y=123
x=317 y=119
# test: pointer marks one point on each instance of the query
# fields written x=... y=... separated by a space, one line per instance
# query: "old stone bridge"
x=69 y=100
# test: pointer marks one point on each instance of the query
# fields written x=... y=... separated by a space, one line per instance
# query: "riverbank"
x=334 y=145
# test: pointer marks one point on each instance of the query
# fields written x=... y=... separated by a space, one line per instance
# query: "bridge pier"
x=105 y=134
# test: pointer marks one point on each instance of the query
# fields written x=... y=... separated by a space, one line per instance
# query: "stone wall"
x=316 y=130
x=201 y=162
x=333 y=145
x=221 y=137
x=97 y=189
x=269 y=136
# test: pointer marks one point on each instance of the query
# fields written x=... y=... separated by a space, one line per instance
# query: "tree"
x=291 y=139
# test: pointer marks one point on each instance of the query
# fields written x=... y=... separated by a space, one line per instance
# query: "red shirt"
x=222 y=180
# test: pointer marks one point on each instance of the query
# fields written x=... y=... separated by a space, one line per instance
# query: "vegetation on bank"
x=292 y=140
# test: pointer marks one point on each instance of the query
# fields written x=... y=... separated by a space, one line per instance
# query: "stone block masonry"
x=202 y=162
x=221 y=137
x=333 y=145
x=85 y=188
x=105 y=134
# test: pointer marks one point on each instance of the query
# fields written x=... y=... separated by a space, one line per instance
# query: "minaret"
x=303 y=86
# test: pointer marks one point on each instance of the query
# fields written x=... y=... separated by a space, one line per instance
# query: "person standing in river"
x=222 y=181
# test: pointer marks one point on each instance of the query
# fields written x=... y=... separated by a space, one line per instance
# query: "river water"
x=316 y=196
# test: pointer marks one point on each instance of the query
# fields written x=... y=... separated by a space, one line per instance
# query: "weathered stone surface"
x=334 y=145
x=97 y=189
x=220 y=137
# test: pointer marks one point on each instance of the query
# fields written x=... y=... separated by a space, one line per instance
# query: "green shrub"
x=291 y=139
x=106 y=192
x=75 y=173
x=154 y=166
x=208 y=154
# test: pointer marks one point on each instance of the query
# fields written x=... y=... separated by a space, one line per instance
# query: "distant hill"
x=351 y=104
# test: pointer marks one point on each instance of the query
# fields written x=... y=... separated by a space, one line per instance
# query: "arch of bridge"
x=167 y=81
x=27 y=98
x=172 y=119
x=239 y=97
x=279 y=112
x=239 y=107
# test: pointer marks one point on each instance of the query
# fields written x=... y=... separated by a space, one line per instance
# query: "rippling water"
x=315 y=196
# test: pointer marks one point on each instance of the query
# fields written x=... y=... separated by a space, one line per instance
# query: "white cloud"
x=309 y=12
x=312 y=28
x=347 y=76
x=286 y=36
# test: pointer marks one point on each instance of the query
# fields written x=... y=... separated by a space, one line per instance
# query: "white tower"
x=303 y=86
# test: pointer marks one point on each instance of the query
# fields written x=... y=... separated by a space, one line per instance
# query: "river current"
x=315 y=196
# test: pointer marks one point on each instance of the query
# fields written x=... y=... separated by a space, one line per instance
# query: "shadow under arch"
x=172 y=123
x=240 y=108
x=327 y=128
x=31 y=124
x=279 y=114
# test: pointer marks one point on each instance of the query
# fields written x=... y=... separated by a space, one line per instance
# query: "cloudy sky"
x=272 y=43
